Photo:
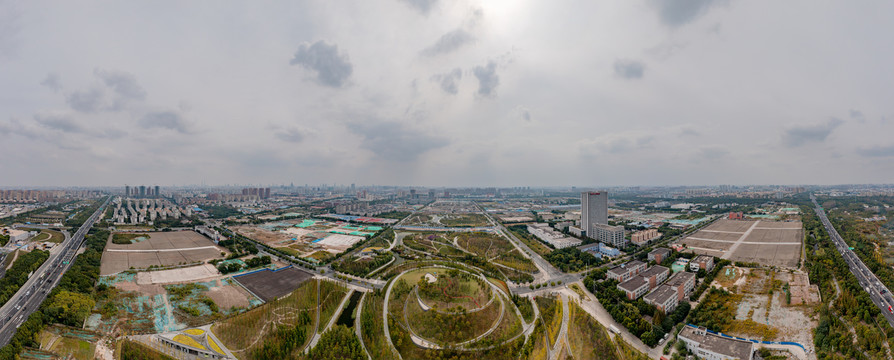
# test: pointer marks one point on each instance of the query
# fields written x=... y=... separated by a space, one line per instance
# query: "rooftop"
x=717 y=344
x=634 y=283
x=661 y=294
x=679 y=278
x=654 y=271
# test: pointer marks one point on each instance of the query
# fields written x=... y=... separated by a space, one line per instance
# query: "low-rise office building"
x=612 y=235
x=635 y=287
x=703 y=262
x=626 y=271
x=664 y=298
x=658 y=255
x=550 y=236
x=683 y=282
x=655 y=275
x=642 y=237
x=710 y=346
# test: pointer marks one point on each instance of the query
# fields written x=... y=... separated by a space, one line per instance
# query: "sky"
x=446 y=93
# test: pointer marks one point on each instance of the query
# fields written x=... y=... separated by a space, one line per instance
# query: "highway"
x=35 y=290
x=868 y=281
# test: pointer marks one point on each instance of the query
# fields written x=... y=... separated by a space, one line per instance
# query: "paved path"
x=357 y=330
x=335 y=315
x=746 y=242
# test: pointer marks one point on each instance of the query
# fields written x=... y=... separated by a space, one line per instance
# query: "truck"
x=614 y=329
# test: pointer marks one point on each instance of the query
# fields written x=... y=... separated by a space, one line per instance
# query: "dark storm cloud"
x=86 y=101
x=488 y=80
x=422 y=6
x=394 y=140
x=124 y=84
x=675 y=13
x=448 y=81
x=803 y=134
x=876 y=151
x=332 y=69
x=53 y=82
x=293 y=135
x=165 y=120
x=59 y=122
x=629 y=69
x=449 y=42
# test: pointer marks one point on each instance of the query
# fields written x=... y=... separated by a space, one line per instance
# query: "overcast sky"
x=452 y=93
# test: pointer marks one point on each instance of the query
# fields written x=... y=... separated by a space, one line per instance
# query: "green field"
x=127 y=238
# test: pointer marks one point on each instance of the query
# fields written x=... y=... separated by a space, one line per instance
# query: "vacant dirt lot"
x=771 y=243
x=161 y=249
x=269 y=285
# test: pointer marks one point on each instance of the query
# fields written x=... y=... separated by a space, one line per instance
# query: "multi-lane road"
x=868 y=281
x=35 y=290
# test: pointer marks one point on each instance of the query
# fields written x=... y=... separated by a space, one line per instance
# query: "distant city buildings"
x=142 y=191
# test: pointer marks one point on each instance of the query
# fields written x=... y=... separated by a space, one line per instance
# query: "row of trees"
x=16 y=276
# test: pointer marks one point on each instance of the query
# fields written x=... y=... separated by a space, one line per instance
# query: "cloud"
x=488 y=80
x=712 y=152
x=86 y=101
x=394 y=141
x=449 y=42
x=53 y=82
x=124 y=84
x=422 y=6
x=10 y=27
x=524 y=113
x=857 y=115
x=676 y=13
x=876 y=151
x=332 y=69
x=165 y=120
x=59 y=122
x=448 y=80
x=689 y=130
x=629 y=69
x=292 y=134
x=803 y=134
x=615 y=144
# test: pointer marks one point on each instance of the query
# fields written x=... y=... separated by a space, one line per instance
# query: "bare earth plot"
x=269 y=285
x=769 y=243
x=161 y=249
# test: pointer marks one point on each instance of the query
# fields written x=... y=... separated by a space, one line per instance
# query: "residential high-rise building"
x=126 y=190
x=157 y=194
x=142 y=191
x=593 y=211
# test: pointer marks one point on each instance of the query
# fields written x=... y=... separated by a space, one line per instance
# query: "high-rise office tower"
x=142 y=191
x=126 y=190
x=593 y=210
x=157 y=194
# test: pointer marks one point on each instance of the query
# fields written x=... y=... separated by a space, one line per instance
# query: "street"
x=35 y=290
x=868 y=281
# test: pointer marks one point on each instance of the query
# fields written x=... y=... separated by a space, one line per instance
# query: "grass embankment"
x=52 y=236
x=586 y=337
x=371 y=326
x=281 y=328
x=465 y=220
x=131 y=350
x=551 y=313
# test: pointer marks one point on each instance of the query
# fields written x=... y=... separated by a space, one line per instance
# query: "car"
x=890 y=310
x=882 y=291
